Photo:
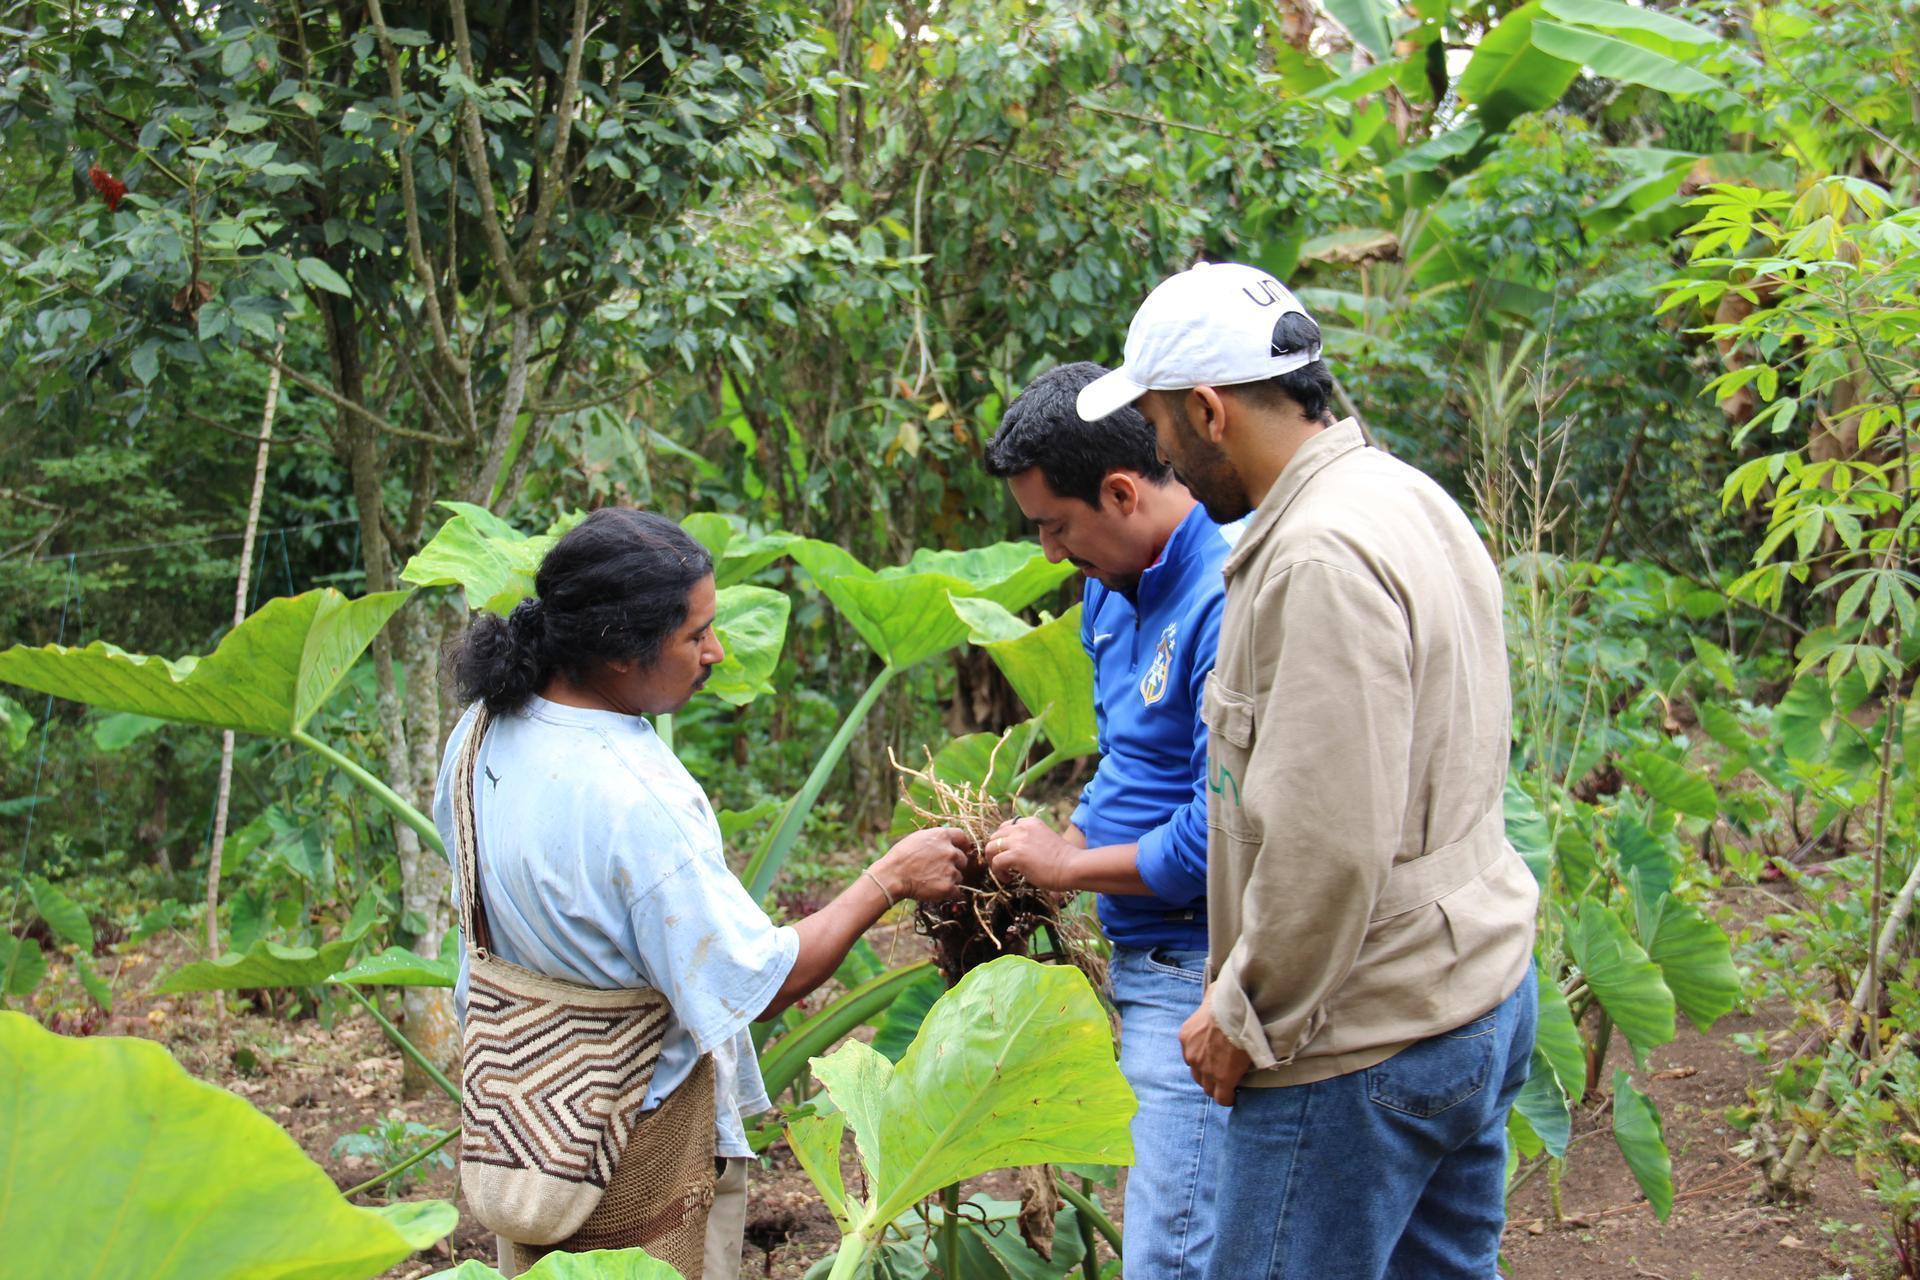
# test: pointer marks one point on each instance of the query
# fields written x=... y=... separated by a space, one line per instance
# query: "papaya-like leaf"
x=268 y=676
x=1014 y=1066
x=1637 y=1130
x=1627 y=983
x=121 y=1165
x=1696 y=960
x=1046 y=665
x=901 y=611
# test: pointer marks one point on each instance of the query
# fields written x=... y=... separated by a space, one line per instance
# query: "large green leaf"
x=116 y=1163
x=63 y=915
x=1637 y=1129
x=1637 y=850
x=401 y=967
x=902 y=612
x=782 y=1061
x=1014 y=1066
x=990 y=1246
x=1696 y=960
x=1557 y=1039
x=815 y=1143
x=264 y=964
x=1802 y=719
x=1648 y=28
x=1369 y=22
x=1618 y=60
x=488 y=559
x=893 y=1033
x=1528 y=831
x=600 y=1264
x=736 y=556
x=1627 y=983
x=22 y=965
x=16 y=726
x=1046 y=665
x=752 y=625
x=1545 y=1107
x=1508 y=75
x=1672 y=784
x=268 y=676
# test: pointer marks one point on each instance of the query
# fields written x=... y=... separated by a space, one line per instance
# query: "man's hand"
x=1217 y=1063
x=1030 y=848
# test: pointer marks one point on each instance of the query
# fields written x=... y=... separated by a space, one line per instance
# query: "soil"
x=322 y=1082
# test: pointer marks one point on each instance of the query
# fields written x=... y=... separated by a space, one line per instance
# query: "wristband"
x=868 y=873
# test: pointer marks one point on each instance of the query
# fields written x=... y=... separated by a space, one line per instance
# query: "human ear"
x=1212 y=415
x=1124 y=490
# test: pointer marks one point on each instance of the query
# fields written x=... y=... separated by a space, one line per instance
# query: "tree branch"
x=365 y=414
x=474 y=145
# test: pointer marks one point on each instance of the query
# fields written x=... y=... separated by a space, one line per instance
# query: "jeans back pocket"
x=1438 y=1073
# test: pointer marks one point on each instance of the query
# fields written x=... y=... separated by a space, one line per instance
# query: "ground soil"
x=322 y=1082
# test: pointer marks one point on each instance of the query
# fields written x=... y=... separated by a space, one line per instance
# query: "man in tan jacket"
x=1371 y=1005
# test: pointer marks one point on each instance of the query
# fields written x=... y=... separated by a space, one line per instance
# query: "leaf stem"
x=402 y=1167
x=771 y=856
x=405 y=1045
x=381 y=791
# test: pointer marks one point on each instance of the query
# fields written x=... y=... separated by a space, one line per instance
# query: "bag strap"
x=473 y=911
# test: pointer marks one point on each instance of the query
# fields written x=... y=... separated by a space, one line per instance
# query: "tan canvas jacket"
x=1361 y=893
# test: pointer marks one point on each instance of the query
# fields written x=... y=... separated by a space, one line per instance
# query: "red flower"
x=109 y=187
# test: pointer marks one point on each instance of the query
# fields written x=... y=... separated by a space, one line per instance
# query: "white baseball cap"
x=1209 y=326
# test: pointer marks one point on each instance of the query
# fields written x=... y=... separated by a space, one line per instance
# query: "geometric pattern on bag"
x=553 y=1086
x=553 y=1077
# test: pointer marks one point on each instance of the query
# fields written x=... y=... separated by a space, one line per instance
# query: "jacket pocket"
x=1439 y=1073
x=1228 y=715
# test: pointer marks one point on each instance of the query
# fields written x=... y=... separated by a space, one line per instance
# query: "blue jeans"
x=1178 y=1128
x=1398 y=1171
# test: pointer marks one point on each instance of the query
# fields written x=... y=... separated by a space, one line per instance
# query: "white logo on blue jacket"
x=1154 y=686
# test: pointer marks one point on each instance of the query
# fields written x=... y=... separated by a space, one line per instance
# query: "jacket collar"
x=1182 y=546
x=1342 y=438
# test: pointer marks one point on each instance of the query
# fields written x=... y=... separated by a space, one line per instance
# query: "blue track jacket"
x=1151 y=655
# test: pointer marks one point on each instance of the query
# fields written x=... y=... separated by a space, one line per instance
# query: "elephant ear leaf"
x=1046 y=665
x=1014 y=1066
x=751 y=623
x=268 y=676
x=203 y=1187
x=492 y=562
x=1627 y=983
x=902 y=612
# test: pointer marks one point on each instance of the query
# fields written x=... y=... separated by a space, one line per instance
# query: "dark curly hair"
x=1043 y=428
x=614 y=586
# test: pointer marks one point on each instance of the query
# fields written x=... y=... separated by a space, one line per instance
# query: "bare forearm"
x=825 y=938
x=1113 y=868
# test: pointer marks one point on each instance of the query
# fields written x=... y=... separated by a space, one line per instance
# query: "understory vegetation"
x=319 y=323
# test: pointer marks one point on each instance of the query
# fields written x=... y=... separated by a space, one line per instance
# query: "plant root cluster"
x=988 y=918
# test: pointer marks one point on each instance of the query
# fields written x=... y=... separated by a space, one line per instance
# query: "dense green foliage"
x=1639 y=283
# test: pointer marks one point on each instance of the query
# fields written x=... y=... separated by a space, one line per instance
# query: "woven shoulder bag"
x=553 y=1075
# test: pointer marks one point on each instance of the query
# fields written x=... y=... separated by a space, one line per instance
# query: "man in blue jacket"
x=1099 y=496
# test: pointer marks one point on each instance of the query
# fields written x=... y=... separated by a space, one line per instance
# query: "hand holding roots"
x=988 y=917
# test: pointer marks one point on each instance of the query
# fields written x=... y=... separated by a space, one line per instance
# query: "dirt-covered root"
x=988 y=917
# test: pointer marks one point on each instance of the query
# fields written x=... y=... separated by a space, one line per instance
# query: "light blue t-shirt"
x=601 y=863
